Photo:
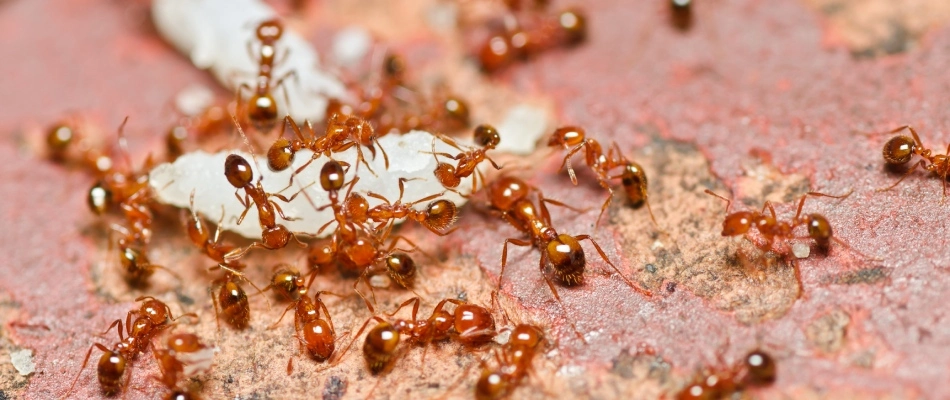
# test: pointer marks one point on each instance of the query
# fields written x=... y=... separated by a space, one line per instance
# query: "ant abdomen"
x=819 y=229
x=474 y=324
x=380 y=345
x=445 y=173
x=319 y=338
x=634 y=182
x=110 y=370
x=491 y=385
x=760 y=368
x=234 y=305
x=402 y=269
x=567 y=258
x=440 y=214
x=238 y=171
x=275 y=237
x=280 y=155
x=899 y=150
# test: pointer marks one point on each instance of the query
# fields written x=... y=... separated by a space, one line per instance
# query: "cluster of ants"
x=362 y=239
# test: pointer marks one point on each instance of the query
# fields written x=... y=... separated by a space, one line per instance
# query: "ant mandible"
x=633 y=178
x=262 y=108
x=449 y=175
x=900 y=149
x=152 y=317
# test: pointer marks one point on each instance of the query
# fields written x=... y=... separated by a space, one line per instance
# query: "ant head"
x=574 y=25
x=262 y=110
x=318 y=335
x=819 y=229
x=567 y=136
x=474 y=323
x=269 y=31
x=457 y=111
x=99 y=198
x=332 y=176
x=321 y=253
x=737 y=223
x=441 y=214
x=505 y=191
x=58 y=139
x=568 y=259
x=288 y=282
x=496 y=53
x=280 y=155
x=899 y=150
x=526 y=335
x=155 y=310
x=238 y=171
x=760 y=368
x=487 y=136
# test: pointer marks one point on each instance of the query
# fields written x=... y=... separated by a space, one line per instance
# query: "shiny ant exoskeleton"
x=525 y=36
x=632 y=177
x=343 y=132
x=450 y=176
x=262 y=107
x=757 y=369
x=151 y=317
x=438 y=216
x=900 y=149
x=315 y=334
x=681 y=14
x=514 y=363
x=183 y=357
x=274 y=236
x=287 y=282
x=231 y=298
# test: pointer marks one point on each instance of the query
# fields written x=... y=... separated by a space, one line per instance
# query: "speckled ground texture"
x=763 y=100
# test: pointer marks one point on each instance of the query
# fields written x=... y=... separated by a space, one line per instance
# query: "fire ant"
x=274 y=235
x=262 y=108
x=514 y=363
x=525 y=37
x=136 y=266
x=315 y=334
x=343 y=132
x=509 y=197
x=450 y=176
x=152 y=317
x=681 y=14
x=900 y=149
x=633 y=178
x=287 y=282
x=183 y=357
x=470 y=324
x=231 y=298
x=773 y=230
x=438 y=216
x=756 y=370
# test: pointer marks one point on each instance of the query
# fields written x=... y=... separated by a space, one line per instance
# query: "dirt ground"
x=758 y=101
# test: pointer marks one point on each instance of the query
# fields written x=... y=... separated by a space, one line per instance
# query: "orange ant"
x=509 y=196
x=231 y=298
x=900 y=149
x=514 y=363
x=210 y=245
x=757 y=369
x=343 y=132
x=183 y=357
x=633 y=178
x=262 y=108
x=287 y=282
x=470 y=324
x=274 y=235
x=773 y=230
x=519 y=41
x=450 y=176
x=438 y=216
x=136 y=266
x=315 y=334
x=152 y=317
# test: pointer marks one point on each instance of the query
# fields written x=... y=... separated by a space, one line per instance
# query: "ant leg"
x=239 y=252
x=280 y=83
x=246 y=202
x=569 y=207
x=84 y=362
x=921 y=163
x=504 y=256
x=277 y=208
x=768 y=205
x=113 y=325
x=291 y=306
x=617 y=270
x=214 y=300
x=381 y=149
x=567 y=161
x=415 y=307
x=301 y=244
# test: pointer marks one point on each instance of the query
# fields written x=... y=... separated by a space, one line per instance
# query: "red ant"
x=152 y=317
x=315 y=334
x=470 y=324
x=287 y=282
x=773 y=230
x=183 y=357
x=632 y=177
x=757 y=369
x=514 y=363
x=438 y=216
x=509 y=197
x=900 y=149
x=450 y=176
x=343 y=132
x=262 y=108
x=519 y=40
x=136 y=266
x=231 y=298
x=274 y=235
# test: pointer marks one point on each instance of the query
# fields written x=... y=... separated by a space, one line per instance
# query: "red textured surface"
x=753 y=83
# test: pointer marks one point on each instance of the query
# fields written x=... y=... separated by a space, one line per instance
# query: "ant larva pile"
x=334 y=166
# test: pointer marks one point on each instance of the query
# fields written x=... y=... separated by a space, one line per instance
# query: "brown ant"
x=274 y=235
x=136 y=266
x=470 y=324
x=681 y=14
x=343 y=132
x=262 y=108
x=774 y=231
x=152 y=317
x=231 y=298
x=315 y=334
x=633 y=178
x=756 y=370
x=509 y=197
x=287 y=282
x=900 y=149
x=514 y=363
x=527 y=37
x=449 y=175
x=183 y=357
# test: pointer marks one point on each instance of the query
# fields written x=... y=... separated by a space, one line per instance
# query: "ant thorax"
x=409 y=157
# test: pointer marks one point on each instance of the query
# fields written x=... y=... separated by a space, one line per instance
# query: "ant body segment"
x=514 y=363
x=681 y=14
x=152 y=317
x=526 y=35
x=343 y=132
x=183 y=357
x=449 y=175
x=633 y=178
x=262 y=108
x=899 y=150
x=231 y=298
x=756 y=370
